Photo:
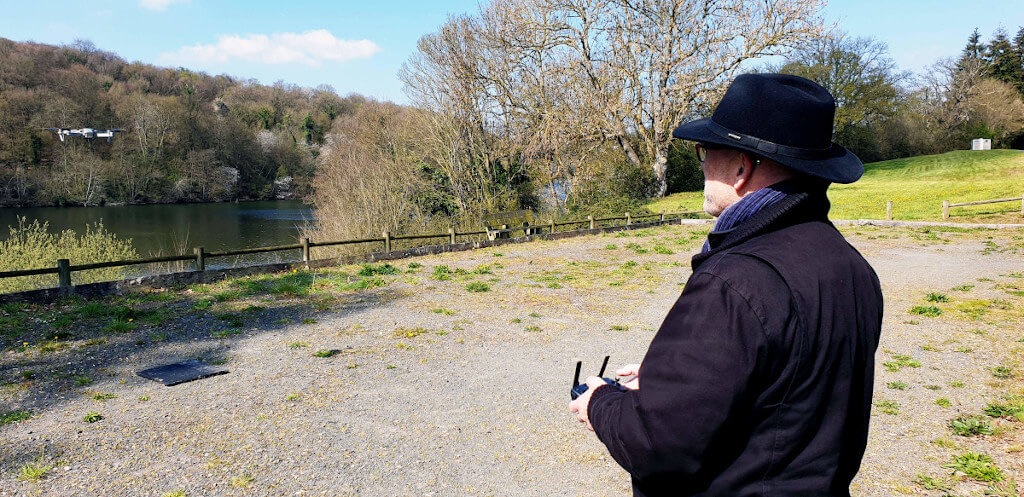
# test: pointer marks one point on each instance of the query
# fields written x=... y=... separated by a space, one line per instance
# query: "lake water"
x=165 y=229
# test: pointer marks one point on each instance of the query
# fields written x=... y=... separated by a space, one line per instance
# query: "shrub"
x=31 y=246
x=936 y=297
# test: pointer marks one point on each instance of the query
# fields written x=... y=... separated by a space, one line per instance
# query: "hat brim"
x=837 y=165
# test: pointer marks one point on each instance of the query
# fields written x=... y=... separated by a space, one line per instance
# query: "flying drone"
x=85 y=132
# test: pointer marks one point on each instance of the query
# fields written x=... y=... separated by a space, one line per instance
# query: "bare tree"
x=553 y=75
x=367 y=180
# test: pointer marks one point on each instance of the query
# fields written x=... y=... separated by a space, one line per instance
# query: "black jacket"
x=759 y=380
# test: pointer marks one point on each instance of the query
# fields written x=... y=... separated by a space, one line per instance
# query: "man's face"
x=720 y=169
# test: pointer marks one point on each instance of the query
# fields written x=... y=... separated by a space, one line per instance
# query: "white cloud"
x=310 y=48
x=159 y=4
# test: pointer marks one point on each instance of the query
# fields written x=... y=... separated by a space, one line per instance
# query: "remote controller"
x=579 y=388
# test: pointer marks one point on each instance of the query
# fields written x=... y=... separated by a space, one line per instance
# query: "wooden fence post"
x=945 y=209
x=888 y=211
x=552 y=223
x=305 y=252
x=591 y=219
x=200 y=259
x=387 y=241
x=451 y=235
x=64 y=272
x=627 y=219
x=663 y=216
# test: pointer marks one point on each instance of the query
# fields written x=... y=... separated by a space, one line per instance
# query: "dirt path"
x=433 y=389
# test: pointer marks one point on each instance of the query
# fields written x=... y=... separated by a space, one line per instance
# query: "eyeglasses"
x=702 y=153
x=702 y=150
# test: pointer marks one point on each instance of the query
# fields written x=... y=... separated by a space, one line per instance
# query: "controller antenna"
x=603 y=366
x=576 y=378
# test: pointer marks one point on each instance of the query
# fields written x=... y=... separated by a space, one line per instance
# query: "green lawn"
x=917 y=186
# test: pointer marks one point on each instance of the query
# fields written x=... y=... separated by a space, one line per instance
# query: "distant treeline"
x=885 y=113
x=191 y=137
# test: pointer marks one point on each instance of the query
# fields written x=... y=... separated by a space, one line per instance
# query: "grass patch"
x=1011 y=408
x=442 y=273
x=930 y=483
x=916 y=185
x=975 y=466
x=619 y=327
x=534 y=328
x=929 y=311
x=232 y=319
x=377 y=269
x=901 y=361
x=963 y=288
x=92 y=417
x=326 y=353
x=298 y=345
x=936 y=297
x=943 y=402
x=969 y=426
x=103 y=396
x=83 y=380
x=1002 y=372
x=478 y=287
x=896 y=385
x=888 y=407
x=409 y=332
x=957 y=384
x=242 y=481
x=14 y=417
x=35 y=470
x=446 y=312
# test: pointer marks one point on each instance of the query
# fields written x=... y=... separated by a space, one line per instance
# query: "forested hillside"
x=191 y=137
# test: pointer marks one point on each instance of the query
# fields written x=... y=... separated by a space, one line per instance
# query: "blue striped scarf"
x=749 y=205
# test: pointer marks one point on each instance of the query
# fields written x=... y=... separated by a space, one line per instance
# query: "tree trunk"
x=660 y=168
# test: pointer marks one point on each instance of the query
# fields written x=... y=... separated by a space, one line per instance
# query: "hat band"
x=766 y=146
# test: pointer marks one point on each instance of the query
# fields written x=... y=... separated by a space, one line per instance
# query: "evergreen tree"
x=1018 y=50
x=1003 y=61
x=975 y=49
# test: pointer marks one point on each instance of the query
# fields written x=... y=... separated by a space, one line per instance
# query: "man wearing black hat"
x=759 y=380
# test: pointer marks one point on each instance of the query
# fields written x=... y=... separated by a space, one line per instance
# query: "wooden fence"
x=64 y=268
x=946 y=204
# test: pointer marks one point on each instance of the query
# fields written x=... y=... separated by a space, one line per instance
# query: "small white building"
x=981 y=144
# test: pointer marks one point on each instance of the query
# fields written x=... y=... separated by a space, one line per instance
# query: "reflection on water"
x=176 y=228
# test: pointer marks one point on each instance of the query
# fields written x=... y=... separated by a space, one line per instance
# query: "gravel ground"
x=436 y=390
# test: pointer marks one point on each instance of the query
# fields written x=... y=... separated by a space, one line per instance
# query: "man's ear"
x=744 y=173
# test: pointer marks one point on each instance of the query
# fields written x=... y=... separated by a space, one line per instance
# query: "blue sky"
x=362 y=44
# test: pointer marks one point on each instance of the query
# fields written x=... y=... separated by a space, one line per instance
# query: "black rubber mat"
x=172 y=374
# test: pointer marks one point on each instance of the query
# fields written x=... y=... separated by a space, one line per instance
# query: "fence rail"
x=64 y=267
x=946 y=204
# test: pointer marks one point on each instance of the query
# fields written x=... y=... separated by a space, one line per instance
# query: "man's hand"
x=630 y=370
x=580 y=405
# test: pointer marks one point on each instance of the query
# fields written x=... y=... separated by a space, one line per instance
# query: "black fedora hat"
x=787 y=119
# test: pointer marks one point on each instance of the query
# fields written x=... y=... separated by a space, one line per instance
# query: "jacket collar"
x=810 y=204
